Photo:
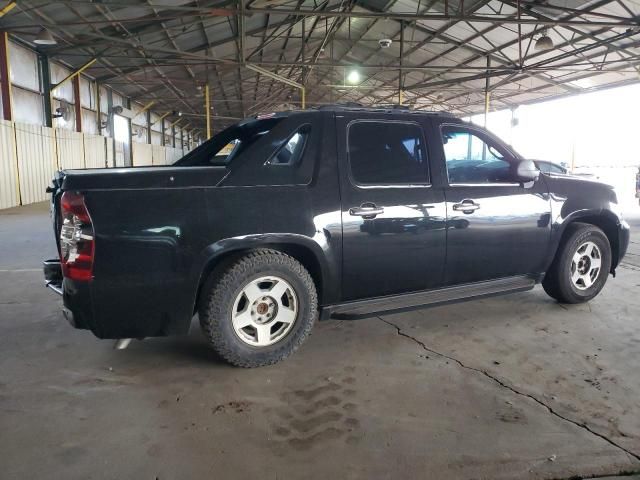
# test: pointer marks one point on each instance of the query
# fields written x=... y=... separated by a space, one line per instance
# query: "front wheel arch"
x=605 y=220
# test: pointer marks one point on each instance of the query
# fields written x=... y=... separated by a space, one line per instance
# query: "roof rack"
x=390 y=108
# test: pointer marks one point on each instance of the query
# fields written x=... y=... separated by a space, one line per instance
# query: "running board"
x=440 y=296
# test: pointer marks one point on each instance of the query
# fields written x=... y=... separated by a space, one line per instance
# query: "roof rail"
x=390 y=108
x=333 y=106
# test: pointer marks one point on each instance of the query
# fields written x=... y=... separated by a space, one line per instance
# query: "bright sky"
x=593 y=129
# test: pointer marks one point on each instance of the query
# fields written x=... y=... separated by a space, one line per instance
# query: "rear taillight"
x=77 y=244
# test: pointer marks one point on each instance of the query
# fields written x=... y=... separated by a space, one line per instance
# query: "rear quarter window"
x=285 y=155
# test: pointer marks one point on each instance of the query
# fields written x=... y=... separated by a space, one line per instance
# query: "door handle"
x=366 y=210
x=466 y=206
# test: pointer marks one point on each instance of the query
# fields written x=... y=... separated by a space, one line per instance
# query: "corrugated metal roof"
x=165 y=50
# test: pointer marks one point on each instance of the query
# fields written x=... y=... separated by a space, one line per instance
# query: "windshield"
x=227 y=145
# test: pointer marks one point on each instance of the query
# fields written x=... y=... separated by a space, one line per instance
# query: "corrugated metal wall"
x=142 y=154
x=119 y=153
x=109 y=152
x=159 y=155
x=8 y=166
x=173 y=154
x=35 y=146
x=70 y=149
x=30 y=154
x=95 y=151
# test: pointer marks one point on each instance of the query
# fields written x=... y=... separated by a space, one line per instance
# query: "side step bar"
x=440 y=296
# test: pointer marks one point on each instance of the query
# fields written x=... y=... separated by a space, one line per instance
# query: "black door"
x=496 y=226
x=393 y=218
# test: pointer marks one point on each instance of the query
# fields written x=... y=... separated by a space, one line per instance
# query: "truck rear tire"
x=260 y=309
x=581 y=267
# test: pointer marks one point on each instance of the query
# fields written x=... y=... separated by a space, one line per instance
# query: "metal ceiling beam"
x=412 y=17
x=589 y=74
x=480 y=54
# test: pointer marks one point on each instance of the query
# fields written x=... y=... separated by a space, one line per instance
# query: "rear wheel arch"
x=302 y=253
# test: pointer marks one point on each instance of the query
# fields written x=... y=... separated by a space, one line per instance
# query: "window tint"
x=291 y=152
x=227 y=145
x=382 y=153
x=472 y=160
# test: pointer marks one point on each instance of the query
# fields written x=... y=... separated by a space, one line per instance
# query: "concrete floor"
x=511 y=387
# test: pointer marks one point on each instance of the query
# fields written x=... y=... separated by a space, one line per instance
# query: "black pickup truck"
x=339 y=211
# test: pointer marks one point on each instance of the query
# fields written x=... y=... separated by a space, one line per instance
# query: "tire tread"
x=213 y=306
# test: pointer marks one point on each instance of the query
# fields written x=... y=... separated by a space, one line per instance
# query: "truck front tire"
x=581 y=267
x=258 y=310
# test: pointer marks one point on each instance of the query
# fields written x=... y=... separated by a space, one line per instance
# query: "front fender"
x=606 y=217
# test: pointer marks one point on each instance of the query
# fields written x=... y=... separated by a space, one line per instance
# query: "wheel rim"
x=585 y=265
x=264 y=311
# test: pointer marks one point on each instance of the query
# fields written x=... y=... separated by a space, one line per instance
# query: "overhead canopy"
x=441 y=52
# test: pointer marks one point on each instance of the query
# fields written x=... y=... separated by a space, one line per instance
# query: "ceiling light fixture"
x=44 y=37
x=353 y=77
x=543 y=42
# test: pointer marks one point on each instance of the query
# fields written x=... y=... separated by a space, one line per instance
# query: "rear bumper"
x=54 y=280
x=111 y=310
x=53 y=275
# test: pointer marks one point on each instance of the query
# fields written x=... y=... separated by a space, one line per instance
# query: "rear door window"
x=387 y=153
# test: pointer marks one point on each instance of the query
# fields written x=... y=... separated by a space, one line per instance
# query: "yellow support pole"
x=162 y=117
x=146 y=107
x=74 y=74
x=303 y=94
x=7 y=8
x=175 y=123
x=207 y=107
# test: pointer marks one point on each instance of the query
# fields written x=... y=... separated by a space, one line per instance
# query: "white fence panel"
x=30 y=154
x=142 y=154
x=158 y=155
x=9 y=196
x=119 y=154
x=70 y=149
x=95 y=153
x=110 y=152
x=36 y=161
x=173 y=154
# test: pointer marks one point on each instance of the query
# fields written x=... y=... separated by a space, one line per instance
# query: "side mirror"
x=527 y=171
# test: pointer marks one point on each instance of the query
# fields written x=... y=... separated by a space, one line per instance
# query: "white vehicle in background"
x=550 y=167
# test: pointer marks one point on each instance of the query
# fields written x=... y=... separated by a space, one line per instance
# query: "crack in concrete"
x=622 y=473
x=550 y=409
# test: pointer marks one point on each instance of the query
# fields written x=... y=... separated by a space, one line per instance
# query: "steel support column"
x=98 y=112
x=207 y=108
x=45 y=77
x=148 y=119
x=487 y=92
x=5 y=77
x=77 y=105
